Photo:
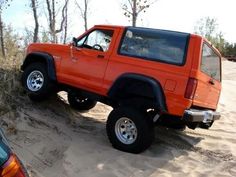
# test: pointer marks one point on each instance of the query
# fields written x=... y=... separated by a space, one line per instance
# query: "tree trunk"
x=66 y=24
x=51 y=19
x=2 y=38
x=85 y=15
x=134 y=13
x=36 y=28
x=54 y=23
x=132 y=8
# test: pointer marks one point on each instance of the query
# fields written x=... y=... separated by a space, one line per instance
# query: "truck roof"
x=145 y=28
x=116 y=26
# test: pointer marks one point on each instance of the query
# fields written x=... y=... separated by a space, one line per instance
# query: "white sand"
x=55 y=141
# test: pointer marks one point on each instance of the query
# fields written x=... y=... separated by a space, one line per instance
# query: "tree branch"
x=63 y=17
x=84 y=12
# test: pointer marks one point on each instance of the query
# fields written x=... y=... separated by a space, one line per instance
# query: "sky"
x=178 y=15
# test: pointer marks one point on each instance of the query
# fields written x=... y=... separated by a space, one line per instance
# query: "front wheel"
x=80 y=102
x=129 y=130
x=36 y=81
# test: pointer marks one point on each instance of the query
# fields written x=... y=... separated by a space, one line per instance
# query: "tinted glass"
x=210 y=62
x=160 y=45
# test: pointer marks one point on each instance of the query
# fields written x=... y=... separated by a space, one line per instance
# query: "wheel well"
x=42 y=58
x=32 y=59
x=138 y=90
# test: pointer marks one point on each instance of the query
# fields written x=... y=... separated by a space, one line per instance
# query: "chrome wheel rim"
x=35 y=81
x=126 y=131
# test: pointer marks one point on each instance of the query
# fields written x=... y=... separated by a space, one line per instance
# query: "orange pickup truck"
x=148 y=76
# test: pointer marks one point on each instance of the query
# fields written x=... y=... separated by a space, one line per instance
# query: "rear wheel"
x=80 y=102
x=129 y=130
x=36 y=81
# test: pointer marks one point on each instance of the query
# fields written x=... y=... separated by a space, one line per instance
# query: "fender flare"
x=41 y=57
x=159 y=96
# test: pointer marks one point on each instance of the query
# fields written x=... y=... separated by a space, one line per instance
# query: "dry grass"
x=10 y=86
x=10 y=91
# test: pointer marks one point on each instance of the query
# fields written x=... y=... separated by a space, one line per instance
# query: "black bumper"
x=204 y=116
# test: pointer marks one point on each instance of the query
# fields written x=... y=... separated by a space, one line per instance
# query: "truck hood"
x=47 y=48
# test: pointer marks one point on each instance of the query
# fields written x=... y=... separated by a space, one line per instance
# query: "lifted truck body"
x=184 y=80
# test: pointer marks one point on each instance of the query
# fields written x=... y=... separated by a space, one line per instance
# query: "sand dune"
x=55 y=141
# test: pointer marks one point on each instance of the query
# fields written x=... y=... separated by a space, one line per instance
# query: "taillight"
x=12 y=168
x=191 y=88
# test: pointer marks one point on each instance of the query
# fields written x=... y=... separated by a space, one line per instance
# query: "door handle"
x=100 y=56
x=211 y=81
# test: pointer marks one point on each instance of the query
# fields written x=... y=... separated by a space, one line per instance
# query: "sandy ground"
x=54 y=141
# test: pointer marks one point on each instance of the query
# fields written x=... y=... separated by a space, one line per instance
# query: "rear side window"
x=210 y=63
x=153 y=44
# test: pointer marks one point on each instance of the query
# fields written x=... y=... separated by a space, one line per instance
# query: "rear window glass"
x=153 y=44
x=210 y=62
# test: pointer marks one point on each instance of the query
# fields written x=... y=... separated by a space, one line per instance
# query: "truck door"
x=209 y=80
x=89 y=58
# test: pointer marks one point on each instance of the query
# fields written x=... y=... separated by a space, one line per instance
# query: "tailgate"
x=209 y=79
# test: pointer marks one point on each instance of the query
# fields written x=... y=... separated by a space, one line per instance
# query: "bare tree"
x=3 y=4
x=208 y=27
x=51 y=9
x=132 y=8
x=83 y=8
x=66 y=25
x=36 y=27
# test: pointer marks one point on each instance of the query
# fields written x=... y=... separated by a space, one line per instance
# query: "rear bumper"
x=205 y=116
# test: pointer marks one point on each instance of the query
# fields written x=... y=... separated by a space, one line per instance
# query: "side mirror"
x=74 y=41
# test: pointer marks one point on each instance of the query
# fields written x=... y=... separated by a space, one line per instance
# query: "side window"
x=157 y=45
x=97 y=40
x=210 y=62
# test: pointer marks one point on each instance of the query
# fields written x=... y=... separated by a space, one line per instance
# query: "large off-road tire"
x=129 y=130
x=36 y=81
x=80 y=102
